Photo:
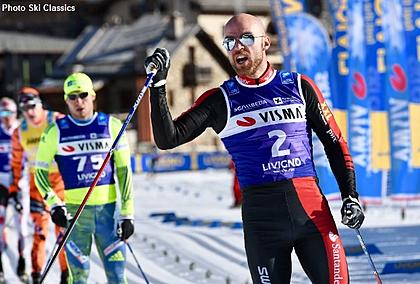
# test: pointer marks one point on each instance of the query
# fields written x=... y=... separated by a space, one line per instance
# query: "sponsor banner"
x=360 y=132
x=375 y=83
x=280 y=10
x=409 y=266
x=340 y=116
x=134 y=165
x=357 y=250
x=404 y=177
x=310 y=47
x=411 y=21
x=166 y=162
x=216 y=160
x=415 y=135
x=339 y=69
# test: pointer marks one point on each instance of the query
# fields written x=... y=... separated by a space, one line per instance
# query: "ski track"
x=185 y=254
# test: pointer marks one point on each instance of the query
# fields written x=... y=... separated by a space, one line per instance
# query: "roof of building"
x=111 y=50
x=235 y=6
x=16 y=42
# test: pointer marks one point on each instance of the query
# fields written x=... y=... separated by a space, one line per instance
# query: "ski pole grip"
x=152 y=68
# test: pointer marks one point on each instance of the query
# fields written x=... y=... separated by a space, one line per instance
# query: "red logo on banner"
x=398 y=78
x=68 y=148
x=249 y=121
x=359 y=86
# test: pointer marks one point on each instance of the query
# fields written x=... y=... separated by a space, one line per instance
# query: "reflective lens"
x=6 y=113
x=245 y=39
x=26 y=107
x=73 y=97
x=28 y=98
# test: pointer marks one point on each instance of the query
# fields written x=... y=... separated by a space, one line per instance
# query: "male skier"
x=264 y=117
x=79 y=143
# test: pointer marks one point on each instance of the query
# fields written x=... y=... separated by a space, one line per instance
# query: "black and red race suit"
x=266 y=125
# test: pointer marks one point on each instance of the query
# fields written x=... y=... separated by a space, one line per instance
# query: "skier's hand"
x=125 y=228
x=60 y=216
x=352 y=213
x=160 y=59
x=17 y=198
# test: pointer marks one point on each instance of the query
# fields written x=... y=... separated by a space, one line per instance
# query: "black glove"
x=160 y=59
x=17 y=198
x=59 y=216
x=352 y=213
x=125 y=229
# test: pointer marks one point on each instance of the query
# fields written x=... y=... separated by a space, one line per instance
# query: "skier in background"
x=25 y=141
x=79 y=143
x=9 y=122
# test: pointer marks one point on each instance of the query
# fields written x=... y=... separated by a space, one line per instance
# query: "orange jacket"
x=25 y=141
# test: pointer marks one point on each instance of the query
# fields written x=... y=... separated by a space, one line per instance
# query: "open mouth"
x=241 y=59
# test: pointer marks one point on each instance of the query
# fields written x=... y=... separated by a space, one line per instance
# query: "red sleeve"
x=321 y=120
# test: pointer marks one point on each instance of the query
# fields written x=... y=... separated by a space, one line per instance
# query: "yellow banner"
x=415 y=134
x=341 y=119
x=380 y=141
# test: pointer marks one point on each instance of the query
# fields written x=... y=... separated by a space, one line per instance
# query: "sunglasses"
x=6 y=113
x=73 y=97
x=245 y=39
x=26 y=107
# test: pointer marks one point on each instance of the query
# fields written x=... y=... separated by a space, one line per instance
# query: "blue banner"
x=281 y=10
x=359 y=106
x=411 y=21
x=339 y=71
x=215 y=160
x=375 y=82
x=166 y=162
x=403 y=175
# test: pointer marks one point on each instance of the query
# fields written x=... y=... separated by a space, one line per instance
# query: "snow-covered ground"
x=205 y=245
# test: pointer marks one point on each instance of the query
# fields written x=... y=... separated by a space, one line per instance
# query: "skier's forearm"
x=44 y=187
x=125 y=183
x=209 y=110
x=164 y=130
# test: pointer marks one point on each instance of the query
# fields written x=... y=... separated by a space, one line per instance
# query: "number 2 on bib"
x=275 y=149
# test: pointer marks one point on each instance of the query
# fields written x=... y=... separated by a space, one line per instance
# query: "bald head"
x=244 y=22
x=246 y=43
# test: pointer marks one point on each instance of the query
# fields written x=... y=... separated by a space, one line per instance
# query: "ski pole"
x=137 y=262
x=372 y=265
x=98 y=174
x=59 y=237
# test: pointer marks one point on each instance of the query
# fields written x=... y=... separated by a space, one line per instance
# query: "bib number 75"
x=95 y=160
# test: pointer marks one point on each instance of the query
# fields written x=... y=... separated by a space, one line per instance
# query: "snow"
x=190 y=254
